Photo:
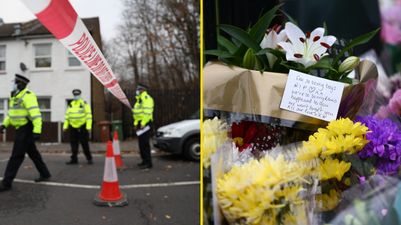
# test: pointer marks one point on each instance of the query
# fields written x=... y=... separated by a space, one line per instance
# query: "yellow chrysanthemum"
x=340 y=136
x=214 y=134
x=344 y=144
x=296 y=216
x=256 y=189
x=346 y=126
x=327 y=202
x=308 y=152
x=290 y=193
x=333 y=168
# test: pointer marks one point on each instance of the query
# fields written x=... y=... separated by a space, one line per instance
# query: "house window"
x=2 y=58
x=72 y=60
x=43 y=55
x=45 y=109
x=3 y=109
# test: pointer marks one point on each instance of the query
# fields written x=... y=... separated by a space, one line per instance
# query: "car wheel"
x=192 y=149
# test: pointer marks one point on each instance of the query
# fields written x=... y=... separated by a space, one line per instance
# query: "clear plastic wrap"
x=374 y=202
x=299 y=209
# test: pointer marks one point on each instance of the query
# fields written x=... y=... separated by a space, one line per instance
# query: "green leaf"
x=246 y=40
x=346 y=80
x=323 y=63
x=362 y=167
x=294 y=66
x=258 y=30
x=250 y=61
x=363 y=39
x=326 y=30
x=275 y=52
x=227 y=44
x=241 y=36
x=219 y=53
x=237 y=43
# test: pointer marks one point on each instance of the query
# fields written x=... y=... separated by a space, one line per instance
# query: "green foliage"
x=242 y=49
x=235 y=50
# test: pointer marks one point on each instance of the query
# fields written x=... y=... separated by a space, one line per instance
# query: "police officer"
x=143 y=117
x=78 y=119
x=25 y=116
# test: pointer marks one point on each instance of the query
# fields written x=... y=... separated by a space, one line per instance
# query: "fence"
x=170 y=106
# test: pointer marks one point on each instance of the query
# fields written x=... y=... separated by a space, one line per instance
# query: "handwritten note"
x=312 y=96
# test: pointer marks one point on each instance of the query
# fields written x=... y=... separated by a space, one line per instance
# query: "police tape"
x=60 y=18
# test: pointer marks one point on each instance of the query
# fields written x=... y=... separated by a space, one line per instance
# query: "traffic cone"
x=110 y=194
x=117 y=152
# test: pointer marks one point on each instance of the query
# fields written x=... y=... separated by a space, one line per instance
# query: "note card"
x=312 y=96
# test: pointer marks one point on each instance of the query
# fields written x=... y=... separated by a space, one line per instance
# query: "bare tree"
x=158 y=44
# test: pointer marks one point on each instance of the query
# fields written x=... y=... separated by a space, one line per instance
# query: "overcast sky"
x=108 y=12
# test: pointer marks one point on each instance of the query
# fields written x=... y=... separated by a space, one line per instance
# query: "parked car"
x=181 y=138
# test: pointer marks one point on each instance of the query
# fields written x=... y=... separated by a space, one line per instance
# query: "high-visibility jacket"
x=78 y=114
x=143 y=109
x=24 y=108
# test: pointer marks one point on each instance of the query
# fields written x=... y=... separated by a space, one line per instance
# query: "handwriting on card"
x=312 y=96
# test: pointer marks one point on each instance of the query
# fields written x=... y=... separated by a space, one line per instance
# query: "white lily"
x=270 y=40
x=306 y=49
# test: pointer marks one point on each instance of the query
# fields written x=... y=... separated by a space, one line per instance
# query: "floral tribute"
x=326 y=152
x=214 y=134
x=279 y=50
x=271 y=190
x=257 y=136
x=270 y=195
x=384 y=147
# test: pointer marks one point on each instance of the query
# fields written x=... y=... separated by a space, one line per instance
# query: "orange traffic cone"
x=110 y=194
x=117 y=152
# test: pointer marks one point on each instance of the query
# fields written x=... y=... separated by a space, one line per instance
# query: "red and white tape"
x=60 y=18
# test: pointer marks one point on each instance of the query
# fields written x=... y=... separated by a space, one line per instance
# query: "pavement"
x=127 y=146
x=166 y=194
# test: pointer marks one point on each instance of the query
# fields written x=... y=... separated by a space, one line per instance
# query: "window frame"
x=34 y=47
x=4 y=59
x=4 y=102
x=47 y=110
x=70 y=55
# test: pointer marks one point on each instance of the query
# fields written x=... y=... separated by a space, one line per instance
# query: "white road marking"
x=129 y=186
x=3 y=160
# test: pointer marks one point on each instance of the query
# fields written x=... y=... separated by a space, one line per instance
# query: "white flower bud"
x=349 y=64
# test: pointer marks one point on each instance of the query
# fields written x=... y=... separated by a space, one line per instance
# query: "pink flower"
x=391 y=23
x=394 y=104
x=382 y=113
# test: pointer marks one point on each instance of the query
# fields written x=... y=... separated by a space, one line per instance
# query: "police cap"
x=140 y=86
x=76 y=92
x=21 y=79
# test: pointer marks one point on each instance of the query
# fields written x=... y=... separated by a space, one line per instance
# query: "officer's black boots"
x=145 y=166
x=42 y=179
x=4 y=188
x=72 y=162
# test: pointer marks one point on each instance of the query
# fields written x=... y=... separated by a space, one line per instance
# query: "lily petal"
x=296 y=36
x=318 y=32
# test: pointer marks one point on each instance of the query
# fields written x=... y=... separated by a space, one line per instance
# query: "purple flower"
x=384 y=145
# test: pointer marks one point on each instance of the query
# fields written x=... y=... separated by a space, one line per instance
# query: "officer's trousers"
x=79 y=135
x=144 y=147
x=24 y=143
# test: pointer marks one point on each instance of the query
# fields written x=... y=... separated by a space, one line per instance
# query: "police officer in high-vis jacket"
x=23 y=114
x=143 y=117
x=78 y=119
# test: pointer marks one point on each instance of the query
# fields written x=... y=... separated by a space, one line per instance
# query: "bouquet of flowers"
x=278 y=187
x=247 y=85
x=328 y=152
